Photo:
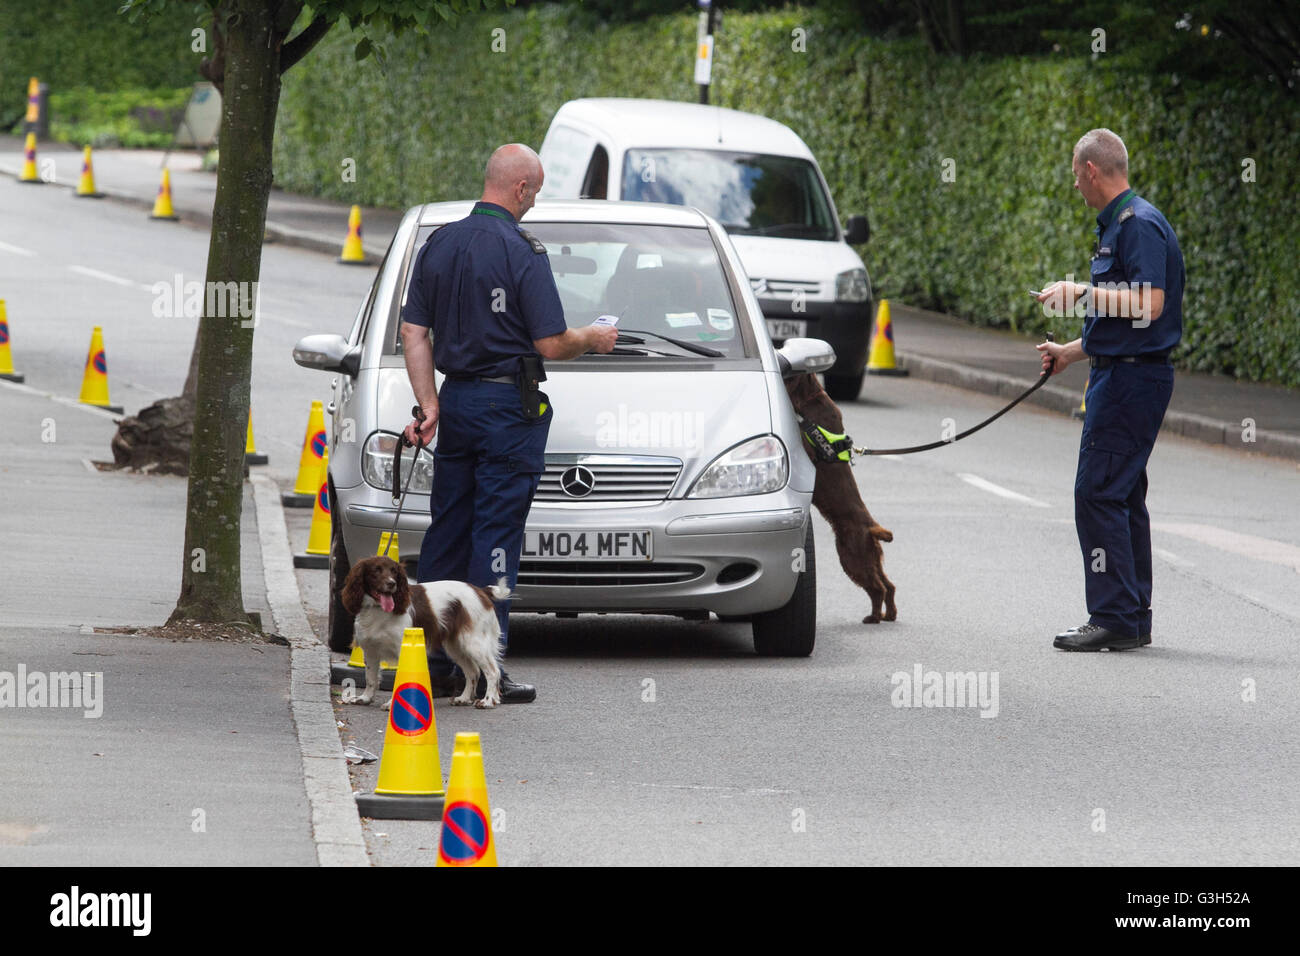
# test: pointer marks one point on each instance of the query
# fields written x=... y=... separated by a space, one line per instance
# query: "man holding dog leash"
x=1134 y=319
x=485 y=288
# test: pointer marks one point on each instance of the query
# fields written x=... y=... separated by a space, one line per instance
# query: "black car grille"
x=591 y=574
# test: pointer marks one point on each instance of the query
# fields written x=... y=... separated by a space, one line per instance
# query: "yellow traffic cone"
x=1082 y=410
x=251 y=456
x=6 y=359
x=410 y=769
x=162 y=206
x=33 y=117
x=388 y=545
x=352 y=251
x=86 y=188
x=313 y=448
x=318 y=541
x=881 y=360
x=94 y=383
x=29 y=174
x=466 y=838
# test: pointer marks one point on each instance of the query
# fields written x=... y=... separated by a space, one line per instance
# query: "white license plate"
x=787 y=328
x=589 y=545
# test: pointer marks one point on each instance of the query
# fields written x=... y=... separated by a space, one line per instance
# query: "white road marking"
x=96 y=274
x=890 y=457
x=985 y=485
x=61 y=399
x=1172 y=558
x=276 y=317
x=1234 y=542
x=16 y=250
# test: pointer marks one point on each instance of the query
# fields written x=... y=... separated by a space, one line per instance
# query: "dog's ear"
x=354 y=589
x=402 y=596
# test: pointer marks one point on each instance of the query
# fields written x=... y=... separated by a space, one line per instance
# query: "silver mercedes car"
x=675 y=482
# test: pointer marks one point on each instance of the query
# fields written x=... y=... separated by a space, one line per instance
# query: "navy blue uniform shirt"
x=1132 y=248
x=486 y=292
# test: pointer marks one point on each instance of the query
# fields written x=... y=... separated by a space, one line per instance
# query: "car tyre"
x=341 y=623
x=845 y=388
x=791 y=631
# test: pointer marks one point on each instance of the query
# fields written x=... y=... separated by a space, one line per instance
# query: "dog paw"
x=484 y=704
x=461 y=701
x=871 y=619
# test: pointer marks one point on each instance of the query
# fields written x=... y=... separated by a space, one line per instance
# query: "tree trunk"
x=211 y=584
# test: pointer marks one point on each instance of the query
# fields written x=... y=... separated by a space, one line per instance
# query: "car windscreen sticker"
x=721 y=320
x=680 y=320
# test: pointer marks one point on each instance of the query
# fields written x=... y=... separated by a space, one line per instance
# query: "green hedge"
x=86 y=44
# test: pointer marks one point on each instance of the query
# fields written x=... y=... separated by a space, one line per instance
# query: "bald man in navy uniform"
x=484 y=286
x=1133 y=321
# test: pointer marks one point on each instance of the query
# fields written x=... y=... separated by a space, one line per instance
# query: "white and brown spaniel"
x=458 y=617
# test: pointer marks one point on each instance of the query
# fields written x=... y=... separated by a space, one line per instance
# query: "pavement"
x=212 y=753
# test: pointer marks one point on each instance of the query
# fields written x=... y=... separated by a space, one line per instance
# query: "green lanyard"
x=1131 y=196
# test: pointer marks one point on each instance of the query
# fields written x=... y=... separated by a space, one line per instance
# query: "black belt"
x=498 y=379
x=1149 y=358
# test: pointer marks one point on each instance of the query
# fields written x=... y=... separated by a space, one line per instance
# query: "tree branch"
x=301 y=45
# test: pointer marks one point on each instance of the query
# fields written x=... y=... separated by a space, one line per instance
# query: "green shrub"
x=126 y=117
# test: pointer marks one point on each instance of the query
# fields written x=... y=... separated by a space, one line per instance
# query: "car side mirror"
x=857 y=230
x=328 y=353
x=797 y=356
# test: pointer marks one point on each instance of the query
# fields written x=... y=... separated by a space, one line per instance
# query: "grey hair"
x=1104 y=150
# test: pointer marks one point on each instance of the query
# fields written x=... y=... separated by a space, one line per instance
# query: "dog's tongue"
x=386 y=602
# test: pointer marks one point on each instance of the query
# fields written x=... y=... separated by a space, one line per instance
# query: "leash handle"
x=398 y=492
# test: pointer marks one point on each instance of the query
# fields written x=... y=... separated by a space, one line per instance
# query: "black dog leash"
x=833 y=448
x=402 y=442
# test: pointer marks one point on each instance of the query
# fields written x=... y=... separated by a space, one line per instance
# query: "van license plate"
x=787 y=328
x=589 y=545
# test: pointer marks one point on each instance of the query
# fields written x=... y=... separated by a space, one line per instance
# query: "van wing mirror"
x=857 y=230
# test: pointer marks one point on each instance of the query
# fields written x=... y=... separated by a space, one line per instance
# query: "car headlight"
x=852 y=286
x=756 y=467
x=377 y=465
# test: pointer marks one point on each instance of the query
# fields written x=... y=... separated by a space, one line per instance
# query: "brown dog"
x=836 y=496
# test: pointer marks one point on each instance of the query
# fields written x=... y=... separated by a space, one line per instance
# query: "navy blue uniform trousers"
x=487 y=463
x=1125 y=405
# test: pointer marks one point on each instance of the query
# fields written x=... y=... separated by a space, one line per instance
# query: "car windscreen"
x=662 y=282
x=750 y=194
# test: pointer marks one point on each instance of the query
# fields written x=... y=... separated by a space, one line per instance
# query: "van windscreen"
x=750 y=194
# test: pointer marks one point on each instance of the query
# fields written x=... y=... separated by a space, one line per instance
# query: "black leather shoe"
x=511 y=692
x=446 y=685
x=1094 y=637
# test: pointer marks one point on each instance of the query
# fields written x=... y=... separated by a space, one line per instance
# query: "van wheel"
x=791 y=631
x=341 y=623
x=845 y=388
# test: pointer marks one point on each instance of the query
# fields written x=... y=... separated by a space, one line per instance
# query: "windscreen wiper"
x=689 y=346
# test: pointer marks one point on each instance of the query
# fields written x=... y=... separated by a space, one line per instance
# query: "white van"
x=753 y=175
